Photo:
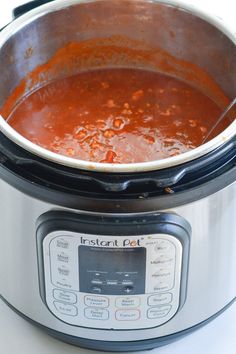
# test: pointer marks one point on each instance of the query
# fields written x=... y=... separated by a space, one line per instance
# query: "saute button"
x=158 y=312
x=66 y=309
x=127 y=302
x=127 y=315
x=159 y=299
x=96 y=301
x=66 y=296
x=96 y=314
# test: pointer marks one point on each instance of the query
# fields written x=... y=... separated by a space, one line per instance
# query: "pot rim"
x=202 y=150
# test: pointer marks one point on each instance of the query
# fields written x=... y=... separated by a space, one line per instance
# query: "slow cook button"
x=158 y=312
x=163 y=259
x=66 y=309
x=127 y=315
x=96 y=301
x=65 y=296
x=159 y=299
x=96 y=314
x=127 y=302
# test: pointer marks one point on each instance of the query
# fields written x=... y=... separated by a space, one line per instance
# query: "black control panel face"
x=112 y=271
x=121 y=273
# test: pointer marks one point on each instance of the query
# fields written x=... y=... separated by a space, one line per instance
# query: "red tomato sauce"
x=116 y=116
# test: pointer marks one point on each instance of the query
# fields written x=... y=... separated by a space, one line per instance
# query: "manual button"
x=127 y=302
x=65 y=309
x=96 y=301
x=158 y=312
x=96 y=314
x=127 y=315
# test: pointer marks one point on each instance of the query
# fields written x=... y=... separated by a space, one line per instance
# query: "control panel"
x=113 y=282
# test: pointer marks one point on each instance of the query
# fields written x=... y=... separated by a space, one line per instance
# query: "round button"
x=128 y=289
x=96 y=290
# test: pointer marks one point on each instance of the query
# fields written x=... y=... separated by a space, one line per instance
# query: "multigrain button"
x=163 y=259
x=66 y=309
x=96 y=314
x=158 y=312
x=127 y=315
x=96 y=301
x=160 y=299
x=65 y=296
x=126 y=302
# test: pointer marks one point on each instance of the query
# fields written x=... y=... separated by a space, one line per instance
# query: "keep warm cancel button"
x=127 y=315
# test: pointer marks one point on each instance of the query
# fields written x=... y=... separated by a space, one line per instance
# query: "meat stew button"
x=158 y=312
x=96 y=301
x=127 y=315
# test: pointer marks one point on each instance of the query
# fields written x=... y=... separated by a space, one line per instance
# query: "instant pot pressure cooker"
x=117 y=257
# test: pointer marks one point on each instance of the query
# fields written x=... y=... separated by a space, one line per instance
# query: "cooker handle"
x=22 y=9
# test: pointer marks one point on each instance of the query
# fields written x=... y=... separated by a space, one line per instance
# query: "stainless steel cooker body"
x=209 y=288
x=118 y=261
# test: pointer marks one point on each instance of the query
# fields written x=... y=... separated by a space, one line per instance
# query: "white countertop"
x=19 y=337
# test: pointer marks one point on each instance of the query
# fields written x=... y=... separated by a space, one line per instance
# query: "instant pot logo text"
x=110 y=243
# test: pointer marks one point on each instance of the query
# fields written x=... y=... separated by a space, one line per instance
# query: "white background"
x=218 y=337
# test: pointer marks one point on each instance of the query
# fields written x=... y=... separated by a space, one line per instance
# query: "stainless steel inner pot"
x=180 y=29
